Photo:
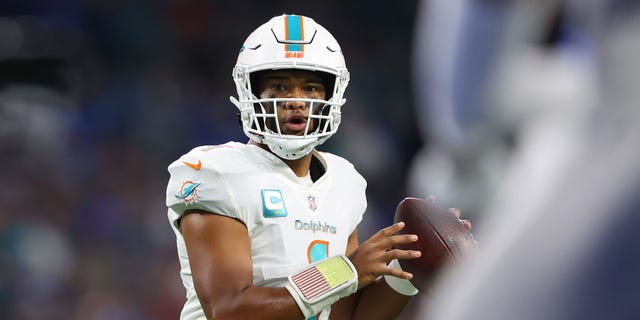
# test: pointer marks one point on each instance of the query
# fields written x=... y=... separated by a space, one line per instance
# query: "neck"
x=299 y=166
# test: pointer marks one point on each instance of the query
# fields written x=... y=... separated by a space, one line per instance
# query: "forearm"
x=310 y=291
x=379 y=301
x=375 y=301
x=253 y=302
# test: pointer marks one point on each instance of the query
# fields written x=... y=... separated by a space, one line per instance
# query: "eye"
x=279 y=87
x=314 y=88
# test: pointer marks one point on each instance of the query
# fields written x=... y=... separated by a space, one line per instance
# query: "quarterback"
x=268 y=229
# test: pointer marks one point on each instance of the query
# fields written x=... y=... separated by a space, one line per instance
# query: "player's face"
x=292 y=115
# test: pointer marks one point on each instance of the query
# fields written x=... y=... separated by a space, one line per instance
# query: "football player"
x=268 y=229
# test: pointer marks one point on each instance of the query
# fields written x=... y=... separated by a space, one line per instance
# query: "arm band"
x=401 y=286
x=323 y=283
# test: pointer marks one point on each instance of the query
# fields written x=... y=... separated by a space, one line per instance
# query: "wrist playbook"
x=323 y=283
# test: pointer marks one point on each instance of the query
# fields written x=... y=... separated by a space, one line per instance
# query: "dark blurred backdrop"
x=97 y=98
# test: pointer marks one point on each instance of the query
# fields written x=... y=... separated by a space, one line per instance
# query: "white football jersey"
x=290 y=222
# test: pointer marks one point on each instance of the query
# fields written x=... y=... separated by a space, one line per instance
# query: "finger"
x=456 y=212
x=431 y=199
x=466 y=223
x=399 y=273
x=402 y=239
x=388 y=243
x=390 y=230
x=402 y=254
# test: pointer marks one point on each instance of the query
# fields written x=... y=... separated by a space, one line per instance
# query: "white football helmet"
x=290 y=42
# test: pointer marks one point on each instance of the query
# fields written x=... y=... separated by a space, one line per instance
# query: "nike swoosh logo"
x=195 y=166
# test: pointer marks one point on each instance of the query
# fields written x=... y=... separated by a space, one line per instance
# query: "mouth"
x=295 y=123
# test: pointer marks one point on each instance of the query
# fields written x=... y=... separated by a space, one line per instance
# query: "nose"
x=294 y=105
x=295 y=93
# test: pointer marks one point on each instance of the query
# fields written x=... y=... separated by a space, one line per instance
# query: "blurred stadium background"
x=98 y=97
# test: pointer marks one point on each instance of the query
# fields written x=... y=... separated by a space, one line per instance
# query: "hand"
x=455 y=211
x=372 y=257
x=465 y=222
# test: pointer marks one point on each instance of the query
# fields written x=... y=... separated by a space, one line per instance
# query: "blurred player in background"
x=560 y=79
x=268 y=229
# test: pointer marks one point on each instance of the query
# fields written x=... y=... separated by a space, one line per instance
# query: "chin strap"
x=323 y=283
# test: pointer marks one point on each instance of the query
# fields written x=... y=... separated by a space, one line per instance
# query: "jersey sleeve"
x=196 y=183
x=360 y=201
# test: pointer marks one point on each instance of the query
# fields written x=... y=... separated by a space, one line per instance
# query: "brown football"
x=442 y=238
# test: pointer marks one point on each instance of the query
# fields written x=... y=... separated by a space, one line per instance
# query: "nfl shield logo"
x=312 y=203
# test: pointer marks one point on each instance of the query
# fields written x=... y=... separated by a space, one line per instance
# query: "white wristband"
x=401 y=286
x=322 y=283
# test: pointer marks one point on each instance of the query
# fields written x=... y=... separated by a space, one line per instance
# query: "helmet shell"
x=289 y=42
